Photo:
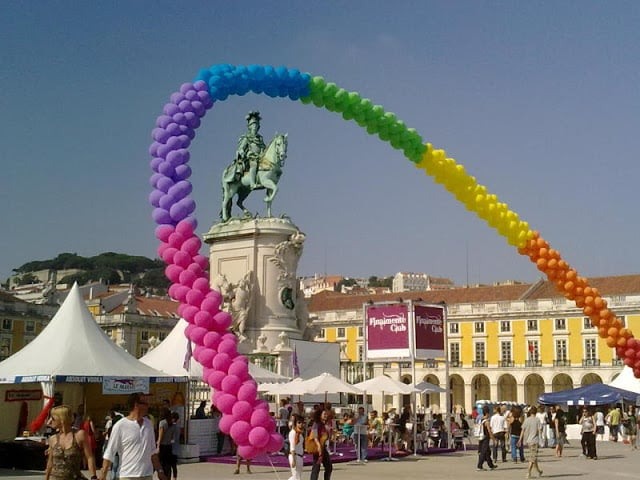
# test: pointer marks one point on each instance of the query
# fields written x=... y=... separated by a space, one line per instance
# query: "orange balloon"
x=560 y=283
x=541 y=263
x=542 y=243
x=562 y=264
x=588 y=291
x=622 y=342
x=579 y=301
x=602 y=332
x=572 y=275
x=523 y=250
x=551 y=274
x=543 y=252
x=588 y=299
x=605 y=313
x=611 y=342
x=598 y=302
x=613 y=332
x=569 y=286
x=595 y=292
x=603 y=322
x=588 y=310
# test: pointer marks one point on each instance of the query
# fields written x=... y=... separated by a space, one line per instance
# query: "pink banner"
x=387 y=328
x=429 y=331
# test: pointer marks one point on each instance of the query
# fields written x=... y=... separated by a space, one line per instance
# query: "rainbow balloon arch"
x=246 y=417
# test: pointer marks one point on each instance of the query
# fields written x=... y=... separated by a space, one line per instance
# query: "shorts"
x=600 y=430
x=533 y=452
x=562 y=438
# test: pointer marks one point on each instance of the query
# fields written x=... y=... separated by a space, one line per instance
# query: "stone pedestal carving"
x=253 y=262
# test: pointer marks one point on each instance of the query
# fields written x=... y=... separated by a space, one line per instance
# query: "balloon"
x=176 y=240
x=225 y=402
x=247 y=391
x=189 y=312
x=275 y=443
x=212 y=340
x=239 y=431
x=197 y=335
x=173 y=273
x=163 y=231
x=239 y=369
x=206 y=357
x=228 y=347
x=259 y=437
x=247 y=451
x=161 y=216
x=223 y=319
x=211 y=303
x=181 y=258
x=215 y=378
x=205 y=320
x=191 y=246
x=186 y=277
x=195 y=297
x=242 y=409
x=221 y=362
x=226 y=422
x=260 y=417
x=202 y=285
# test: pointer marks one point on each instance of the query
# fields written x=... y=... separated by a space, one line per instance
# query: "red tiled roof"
x=150 y=305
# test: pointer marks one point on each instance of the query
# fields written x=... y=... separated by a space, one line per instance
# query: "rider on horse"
x=250 y=149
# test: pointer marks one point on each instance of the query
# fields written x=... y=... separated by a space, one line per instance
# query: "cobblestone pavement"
x=615 y=461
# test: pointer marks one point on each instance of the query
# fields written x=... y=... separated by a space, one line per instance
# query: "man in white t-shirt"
x=498 y=424
x=132 y=438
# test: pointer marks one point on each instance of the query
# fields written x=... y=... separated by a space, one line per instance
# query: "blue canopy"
x=595 y=394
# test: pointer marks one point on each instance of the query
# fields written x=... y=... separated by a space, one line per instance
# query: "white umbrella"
x=383 y=384
x=426 y=387
x=294 y=387
x=327 y=383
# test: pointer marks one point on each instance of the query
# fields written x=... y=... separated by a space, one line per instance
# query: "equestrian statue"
x=256 y=167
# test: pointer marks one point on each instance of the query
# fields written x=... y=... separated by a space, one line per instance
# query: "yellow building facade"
x=505 y=343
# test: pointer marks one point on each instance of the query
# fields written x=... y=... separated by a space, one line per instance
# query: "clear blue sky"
x=539 y=100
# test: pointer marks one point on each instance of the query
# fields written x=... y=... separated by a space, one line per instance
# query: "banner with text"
x=429 y=331
x=124 y=385
x=387 y=331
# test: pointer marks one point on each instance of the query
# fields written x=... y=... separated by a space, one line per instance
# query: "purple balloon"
x=173 y=143
x=154 y=197
x=178 y=211
x=179 y=118
x=184 y=141
x=182 y=172
x=155 y=162
x=161 y=216
x=180 y=190
x=198 y=108
x=176 y=98
x=163 y=120
x=160 y=135
x=165 y=168
x=185 y=106
x=201 y=86
x=186 y=87
x=173 y=129
x=191 y=95
x=164 y=184
x=166 y=201
x=153 y=149
x=170 y=109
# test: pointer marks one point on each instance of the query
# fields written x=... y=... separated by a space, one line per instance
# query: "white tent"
x=385 y=385
x=170 y=356
x=627 y=381
x=73 y=348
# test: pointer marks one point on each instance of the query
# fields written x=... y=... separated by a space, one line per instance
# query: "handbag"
x=478 y=431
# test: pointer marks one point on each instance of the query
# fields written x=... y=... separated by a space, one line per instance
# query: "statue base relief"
x=253 y=263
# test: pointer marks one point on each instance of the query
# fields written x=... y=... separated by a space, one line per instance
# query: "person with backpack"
x=317 y=445
x=561 y=431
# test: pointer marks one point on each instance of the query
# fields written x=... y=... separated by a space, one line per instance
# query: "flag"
x=187 y=356
x=294 y=361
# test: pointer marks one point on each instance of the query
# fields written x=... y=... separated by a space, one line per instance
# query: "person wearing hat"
x=250 y=148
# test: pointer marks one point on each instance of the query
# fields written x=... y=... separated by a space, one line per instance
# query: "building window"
x=561 y=351
x=505 y=326
x=590 y=349
x=479 y=327
x=532 y=325
x=341 y=332
x=360 y=353
x=322 y=333
x=505 y=352
x=586 y=324
x=479 y=352
x=30 y=326
x=622 y=319
x=360 y=332
x=454 y=328
x=143 y=351
x=561 y=323
x=534 y=350
x=5 y=347
x=7 y=324
x=144 y=335
x=454 y=354
x=162 y=336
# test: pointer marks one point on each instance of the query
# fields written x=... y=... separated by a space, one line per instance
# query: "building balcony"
x=430 y=364
x=591 y=362
x=561 y=363
x=455 y=364
x=506 y=364
x=480 y=363
x=533 y=363
x=617 y=362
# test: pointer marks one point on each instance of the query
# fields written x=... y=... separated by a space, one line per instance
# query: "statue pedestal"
x=267 y=251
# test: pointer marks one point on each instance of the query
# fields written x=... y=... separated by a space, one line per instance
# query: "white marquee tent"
x=627 y=381
x=169 y=357
x=73 y=349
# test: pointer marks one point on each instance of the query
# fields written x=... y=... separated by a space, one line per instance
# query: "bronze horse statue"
x=268 y=174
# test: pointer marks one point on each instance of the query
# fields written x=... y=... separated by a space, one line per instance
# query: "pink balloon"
x=239 y=369
x=223 y=319
x=228 y=347
x=206 y=357
x=242 y=410
x=176 y=240
x=172 y=272
x=194 y=297
x=212 y=340
x=231 y=337
x=226 y=422
x=197 y=269
x=202 y=284
x=240 y=432
x=261 y=404
x=168 y=254
x=163 y=232
x=161 y=248
x=221 y=362
x=275 y=443
x=225 y=403
x=259 y=437
x=202 y=261
x=189 y=330
x=191 y=246
x=181 y=258
x=205 y=320
x=248 y=451
x=260 y=418
x=185 y=228
x=231 y=384
x=186 y=277
x=197 y=335
x=247 y=391
x=189 y=312
x=178 y=292
x=215 y=379
x=211 y=303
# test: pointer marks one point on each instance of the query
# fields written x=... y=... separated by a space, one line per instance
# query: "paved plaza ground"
x=615 y=461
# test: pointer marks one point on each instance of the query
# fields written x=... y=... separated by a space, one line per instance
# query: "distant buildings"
x=413 y=282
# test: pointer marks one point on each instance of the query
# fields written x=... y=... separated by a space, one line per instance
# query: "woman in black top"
x=516 y=430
